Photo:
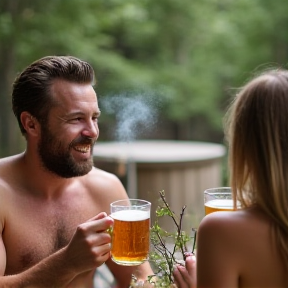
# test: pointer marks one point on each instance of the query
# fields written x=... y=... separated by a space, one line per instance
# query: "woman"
x=249 y=247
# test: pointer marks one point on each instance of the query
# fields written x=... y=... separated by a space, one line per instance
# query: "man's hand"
x=91 y=244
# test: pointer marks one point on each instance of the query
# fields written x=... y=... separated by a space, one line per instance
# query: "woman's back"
x=245 y=248
x=238 y=249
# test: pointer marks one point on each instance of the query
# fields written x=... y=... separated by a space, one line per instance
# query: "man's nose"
x=91 y=130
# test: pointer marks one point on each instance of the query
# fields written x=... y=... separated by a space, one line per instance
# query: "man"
x=54 y=203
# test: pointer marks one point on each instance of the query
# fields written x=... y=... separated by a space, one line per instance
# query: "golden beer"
x=218 y=199
x=130 y=237
x=218 y=205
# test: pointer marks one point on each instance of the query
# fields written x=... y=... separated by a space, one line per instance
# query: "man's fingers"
x=101 y=256
x=101 y=215
x=98 y=225
x=102 y=249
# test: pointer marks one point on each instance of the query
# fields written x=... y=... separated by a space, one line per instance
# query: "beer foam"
x=220 y=203
x=131 y=215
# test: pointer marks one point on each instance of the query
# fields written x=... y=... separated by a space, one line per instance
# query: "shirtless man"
x=54 y=203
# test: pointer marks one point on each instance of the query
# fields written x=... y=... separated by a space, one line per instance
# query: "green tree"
x=186 y=53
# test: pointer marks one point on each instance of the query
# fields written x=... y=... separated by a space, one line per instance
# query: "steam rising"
x=133 y=114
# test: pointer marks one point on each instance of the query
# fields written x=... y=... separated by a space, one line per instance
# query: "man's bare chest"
x=33 y=232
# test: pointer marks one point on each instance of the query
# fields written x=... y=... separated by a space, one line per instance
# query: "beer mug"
x=131 y=231
x=218 y=199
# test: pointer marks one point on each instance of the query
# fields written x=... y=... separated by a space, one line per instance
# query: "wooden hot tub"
x=183 y=169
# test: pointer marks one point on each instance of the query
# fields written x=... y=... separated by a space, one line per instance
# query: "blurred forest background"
x=181 y=58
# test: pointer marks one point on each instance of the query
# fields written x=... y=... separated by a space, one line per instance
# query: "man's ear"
x=30 y=123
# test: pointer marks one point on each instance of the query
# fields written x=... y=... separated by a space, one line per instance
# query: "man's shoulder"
x=102 y=182
x=9 y=162
x=97 y=174
x=9 y=169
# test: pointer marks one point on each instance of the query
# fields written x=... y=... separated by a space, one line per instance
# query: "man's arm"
x=123 y=274
x=2 y=257
x=111 y=190
x=50 y=272
x=88 y=249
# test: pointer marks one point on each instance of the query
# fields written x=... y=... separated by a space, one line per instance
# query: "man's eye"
x=77 y=119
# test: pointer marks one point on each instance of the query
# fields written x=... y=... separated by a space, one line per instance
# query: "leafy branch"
x=163 y=256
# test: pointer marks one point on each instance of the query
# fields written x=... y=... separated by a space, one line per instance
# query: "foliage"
x=189 y=53
x=169 y=248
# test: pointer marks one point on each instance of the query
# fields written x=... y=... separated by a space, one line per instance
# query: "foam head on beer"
x=131 y=232
x=218 y=205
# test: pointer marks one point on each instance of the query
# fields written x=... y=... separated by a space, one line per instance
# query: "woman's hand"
x=185 y=277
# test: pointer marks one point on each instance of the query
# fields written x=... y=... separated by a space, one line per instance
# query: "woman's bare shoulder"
x=242 y=222
x=242 y=240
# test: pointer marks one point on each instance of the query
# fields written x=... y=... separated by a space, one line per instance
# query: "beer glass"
x=218 y=199
x=131 y=231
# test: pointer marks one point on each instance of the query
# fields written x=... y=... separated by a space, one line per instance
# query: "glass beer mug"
x=218 y=199
x=131 y=231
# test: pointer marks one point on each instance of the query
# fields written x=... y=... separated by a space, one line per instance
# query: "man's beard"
x=56 y=158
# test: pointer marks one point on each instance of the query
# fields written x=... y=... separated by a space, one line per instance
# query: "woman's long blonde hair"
x=257 y=133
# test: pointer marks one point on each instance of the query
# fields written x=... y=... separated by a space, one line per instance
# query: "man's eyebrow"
x=79 y=113
x=73 y=114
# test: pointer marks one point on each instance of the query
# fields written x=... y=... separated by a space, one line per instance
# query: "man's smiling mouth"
x=82 y=148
